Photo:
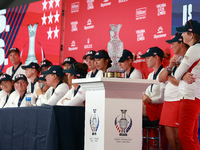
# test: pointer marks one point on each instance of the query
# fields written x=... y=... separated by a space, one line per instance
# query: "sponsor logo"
x=160 y=33
x=122 y=1
x=74 y=26
x=73 y=46
x=141 y=13
x=90 y=4
x=140 y=35
x=89 y=25
x=75 y=7
x=88 y=45
x=161 y=9
x=105 y=3
x=139 y=59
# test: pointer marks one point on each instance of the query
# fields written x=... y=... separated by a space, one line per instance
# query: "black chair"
x=148 y=125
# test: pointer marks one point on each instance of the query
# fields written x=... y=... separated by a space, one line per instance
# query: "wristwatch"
x=168 y=69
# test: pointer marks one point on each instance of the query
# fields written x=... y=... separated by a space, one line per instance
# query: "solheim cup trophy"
x=31 y=53
x=123 y=123
x=115 y=50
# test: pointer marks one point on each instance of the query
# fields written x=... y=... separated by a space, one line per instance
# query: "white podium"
x=113 y=113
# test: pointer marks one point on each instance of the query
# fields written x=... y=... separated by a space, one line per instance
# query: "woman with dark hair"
x=7 y=86
x=102 y=60
x=90 y=62
x=76 y=95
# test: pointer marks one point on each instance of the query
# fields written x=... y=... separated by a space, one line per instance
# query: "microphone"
x=42 y=85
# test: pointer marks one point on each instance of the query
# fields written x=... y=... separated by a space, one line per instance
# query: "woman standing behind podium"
x=7 y=85
x=76 y=95
x=18 y=97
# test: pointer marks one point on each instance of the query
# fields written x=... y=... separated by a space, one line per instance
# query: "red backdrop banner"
x=144 y=24
x=47 y=16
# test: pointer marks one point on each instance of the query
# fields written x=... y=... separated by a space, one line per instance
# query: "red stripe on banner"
x=14 y=26
x=11 y=17
x=17 y=22
x=7 y=22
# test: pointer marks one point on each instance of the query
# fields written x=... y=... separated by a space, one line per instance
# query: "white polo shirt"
x=14 y=99
x=136 y=74
x=50 y=99
x=3 y=96
x=156 y=92
x=99 y=74
x=72 y=100
x=36 y=86
x=18 y=71
x=189 y=91
x=171 y=92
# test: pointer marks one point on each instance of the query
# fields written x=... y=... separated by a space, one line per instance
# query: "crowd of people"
x=174 y=101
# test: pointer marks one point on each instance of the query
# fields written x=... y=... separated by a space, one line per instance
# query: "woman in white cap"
x=58 y=89
x=90 y=61
x=170 y=111
x=154 y=95
x=102 y=60
x=18 y=97
x=189 y=87
x=126 y=63
x=76 y=95
x=7 y=86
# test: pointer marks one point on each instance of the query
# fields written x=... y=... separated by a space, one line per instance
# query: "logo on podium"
x=123 y=123
x=94 y=122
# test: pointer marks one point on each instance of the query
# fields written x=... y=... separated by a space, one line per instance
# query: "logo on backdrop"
x=88 y=45
x=6 y=28
x=94 y=122
x=161 y=9
x=75 y=7
x=140 y=35
x=122 y=1
x=139 y=59
x=123 y=123
x=160 y=33
x=73 y=46
x=89 y=25
x=74 y=26
x=90 y=4
x=105 y=3
x=141 y=13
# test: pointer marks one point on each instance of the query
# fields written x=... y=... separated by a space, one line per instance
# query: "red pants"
x=188 y=124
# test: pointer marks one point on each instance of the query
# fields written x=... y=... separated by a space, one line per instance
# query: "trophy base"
x=114 y=74
x=30 y=59
x=122 y=134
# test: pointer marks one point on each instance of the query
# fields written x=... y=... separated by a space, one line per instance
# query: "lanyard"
x=8 y=97
x=75 y=91
x=156 y=74
x=132 y=69
x=13 y=71
x=56 y=87
x=20 y=99
x=94 y=74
